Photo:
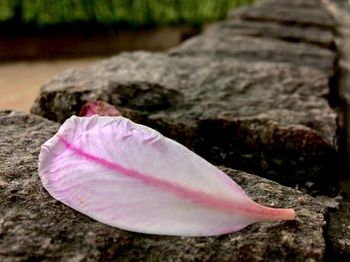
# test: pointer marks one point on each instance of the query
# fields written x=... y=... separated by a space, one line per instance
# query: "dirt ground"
x=20 y=82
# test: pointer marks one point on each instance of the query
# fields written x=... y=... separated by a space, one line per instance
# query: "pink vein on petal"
x=196 y=196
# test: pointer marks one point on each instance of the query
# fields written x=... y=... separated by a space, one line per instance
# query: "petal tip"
x=290 y=214
x=285 y=214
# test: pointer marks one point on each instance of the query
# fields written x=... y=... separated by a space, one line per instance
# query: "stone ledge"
x=286 y=13
x=34 y=226
x=290 y=33
x=216 y=109
x=226 y=44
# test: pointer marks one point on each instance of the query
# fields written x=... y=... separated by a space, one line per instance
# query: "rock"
x=225 y=44
x=330 y=202
x=290 y=33
x=338 y=233
x=269 y=119
x=294 y=3
x=340 y=10
x=34 y=226
x=286 y=13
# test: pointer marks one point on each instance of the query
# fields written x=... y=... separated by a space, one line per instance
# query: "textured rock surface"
x=255 y=33
x=288 y=12
x=225 y=45
x=339 y=224
x=340 y=9
x=34 y=226
x=339 y=232
x=261 y=117
x=294 y=3
x=291 y=33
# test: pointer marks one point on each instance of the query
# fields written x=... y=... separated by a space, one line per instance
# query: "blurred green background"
x=135 y=13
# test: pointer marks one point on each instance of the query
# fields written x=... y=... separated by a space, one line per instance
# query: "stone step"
x=290 y=33
x=267 y=118
x=294 y=3
x=286 y=14
x=224 y=44
x=34 y=226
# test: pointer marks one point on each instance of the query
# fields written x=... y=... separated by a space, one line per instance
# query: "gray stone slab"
x=291 y=14
x=294 y=3
x=36 y=227
x=269 y=119
x=230 y=45
x=291 y=33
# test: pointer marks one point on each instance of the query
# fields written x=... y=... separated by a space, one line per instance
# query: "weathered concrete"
x=34 y=226
x=262 y=117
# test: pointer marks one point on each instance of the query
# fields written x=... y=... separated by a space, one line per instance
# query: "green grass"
x=42 y=13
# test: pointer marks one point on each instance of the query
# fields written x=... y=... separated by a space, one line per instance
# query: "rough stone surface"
x=34 y=226
x=286 y=13
x=265 y=118
x=294 y=3
x=338 y=232
x=291 y=33
x=340 y=9
x=230 y=45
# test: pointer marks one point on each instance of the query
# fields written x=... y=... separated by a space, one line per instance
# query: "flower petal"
x=130 y=176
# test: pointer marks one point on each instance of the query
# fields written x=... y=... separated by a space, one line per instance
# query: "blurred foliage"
x=42 y=13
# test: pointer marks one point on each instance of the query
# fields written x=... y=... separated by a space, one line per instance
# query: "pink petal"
x=129 y=176
x=98 y=108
